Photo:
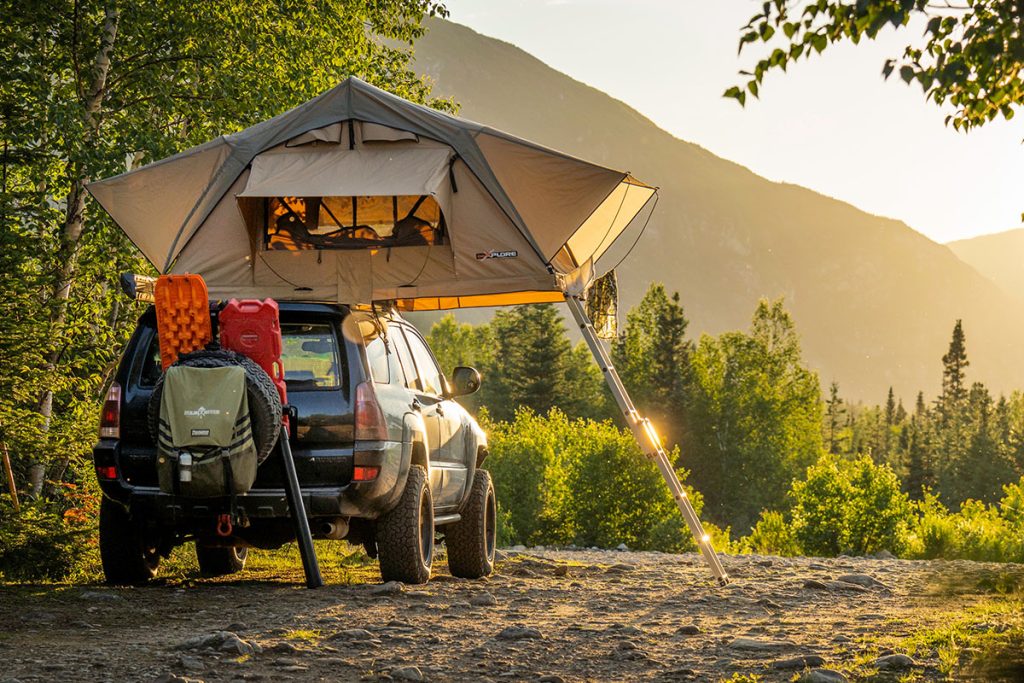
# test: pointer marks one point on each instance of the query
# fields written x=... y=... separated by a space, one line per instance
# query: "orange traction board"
x=182 y=315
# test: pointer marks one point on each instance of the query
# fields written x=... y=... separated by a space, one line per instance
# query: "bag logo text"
x=201 y=412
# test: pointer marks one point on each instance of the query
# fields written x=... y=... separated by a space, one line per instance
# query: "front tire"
x=471 y=540
x=126 y=559
x=220 y=561
x=405 y=535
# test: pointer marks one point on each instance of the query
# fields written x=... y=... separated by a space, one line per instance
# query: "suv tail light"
x=106 y=472
x=369 y=418
x=362 y=473
x=110 y=418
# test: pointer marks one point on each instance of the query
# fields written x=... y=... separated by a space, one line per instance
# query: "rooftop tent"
x=360 y=196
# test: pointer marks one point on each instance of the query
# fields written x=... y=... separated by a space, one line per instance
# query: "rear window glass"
x=151 y=367
x=310 y=357
x=297 y=223
x=377 y=356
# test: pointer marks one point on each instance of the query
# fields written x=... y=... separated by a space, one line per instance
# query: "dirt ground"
x=544 y=616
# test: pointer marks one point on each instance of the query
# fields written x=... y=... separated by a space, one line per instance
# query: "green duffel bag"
x=205 y=446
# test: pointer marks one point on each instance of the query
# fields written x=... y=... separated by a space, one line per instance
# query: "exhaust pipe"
x=335 y=529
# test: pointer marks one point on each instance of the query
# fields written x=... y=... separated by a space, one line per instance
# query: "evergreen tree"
x=901 y=412
x=534 y=365
x=585 y=394
x=985 y=468
x=919 y=472
x=888 y=443
x=834 y=415
x=653 y=356
x=954 y=365
x=953 y=428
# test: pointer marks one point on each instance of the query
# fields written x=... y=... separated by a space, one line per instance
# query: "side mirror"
x=465 y=381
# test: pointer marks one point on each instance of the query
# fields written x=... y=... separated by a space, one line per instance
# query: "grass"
x=984 y=642
x=340 y=564
x=304 y=635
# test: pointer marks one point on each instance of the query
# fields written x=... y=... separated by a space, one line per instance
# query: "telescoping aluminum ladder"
x=647 y=437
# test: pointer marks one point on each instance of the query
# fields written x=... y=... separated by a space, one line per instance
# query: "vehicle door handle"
x=440 y=410
x=416 y=405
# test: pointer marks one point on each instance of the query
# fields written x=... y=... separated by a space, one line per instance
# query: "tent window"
x=297 y=223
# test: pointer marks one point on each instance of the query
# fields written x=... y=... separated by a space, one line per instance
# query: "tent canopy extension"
x=359 y=196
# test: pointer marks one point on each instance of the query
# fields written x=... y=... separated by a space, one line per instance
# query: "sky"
x=832 y=123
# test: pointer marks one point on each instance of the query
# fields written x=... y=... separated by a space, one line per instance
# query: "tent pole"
x=648 y=439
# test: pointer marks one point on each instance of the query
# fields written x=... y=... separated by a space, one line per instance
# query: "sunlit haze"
x=831 y=124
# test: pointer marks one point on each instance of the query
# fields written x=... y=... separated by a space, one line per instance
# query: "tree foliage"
x=455 y=344
x=533 y=364
x=755 y=417
x=89 y=89
x=971 y=54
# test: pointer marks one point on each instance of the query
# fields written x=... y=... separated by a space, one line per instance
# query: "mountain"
x=874 y=301
x=999 y=257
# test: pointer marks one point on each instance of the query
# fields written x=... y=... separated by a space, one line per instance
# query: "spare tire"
x=264 y=401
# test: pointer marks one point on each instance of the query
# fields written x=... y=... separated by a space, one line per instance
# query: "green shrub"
x=39 y=544
x=617 y=495
x=1011 y=507
x=561 y=481
x=933 y=532
x=984 y=533
x=849 y=506
x=772 y=535
x=985 y=536
x=527 y=464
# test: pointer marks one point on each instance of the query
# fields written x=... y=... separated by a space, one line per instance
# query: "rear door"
x=426 y=404
x=451 y=420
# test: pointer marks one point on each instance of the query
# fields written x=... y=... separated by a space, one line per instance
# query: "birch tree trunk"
x=74 y=223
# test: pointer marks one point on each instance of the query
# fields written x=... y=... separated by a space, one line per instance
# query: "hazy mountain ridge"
x=874 y=300
x=999 y=257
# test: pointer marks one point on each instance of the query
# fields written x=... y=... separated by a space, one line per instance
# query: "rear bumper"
x=367 y=500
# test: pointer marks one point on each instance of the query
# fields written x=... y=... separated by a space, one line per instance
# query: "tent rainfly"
x=359 y=196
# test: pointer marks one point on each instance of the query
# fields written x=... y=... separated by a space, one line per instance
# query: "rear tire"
x=405 y=535
x=220 y=561
x=471 y=540
x=126 y=559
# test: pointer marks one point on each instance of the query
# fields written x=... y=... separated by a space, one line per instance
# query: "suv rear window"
x=310 y=357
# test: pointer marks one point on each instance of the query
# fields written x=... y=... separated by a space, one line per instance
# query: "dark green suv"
x=385 y=456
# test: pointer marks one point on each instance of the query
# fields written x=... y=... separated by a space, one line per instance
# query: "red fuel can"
x=253 y=328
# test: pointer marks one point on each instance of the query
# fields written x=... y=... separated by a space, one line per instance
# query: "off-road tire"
x=126 y=559
x=471 y=541
x=264 y=401
x=405 y=534
x=220 y=561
